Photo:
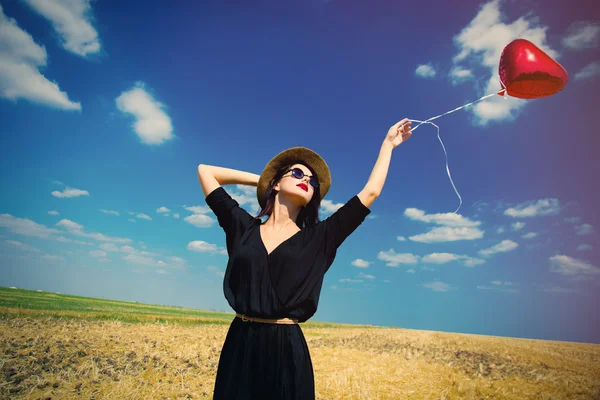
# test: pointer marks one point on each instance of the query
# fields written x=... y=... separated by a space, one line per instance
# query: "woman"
x=275 y=270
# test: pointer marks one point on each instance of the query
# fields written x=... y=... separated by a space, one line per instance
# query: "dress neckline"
x=278 y=246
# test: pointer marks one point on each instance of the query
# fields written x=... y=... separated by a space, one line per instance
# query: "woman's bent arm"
x=397 y=134
x=212 y=177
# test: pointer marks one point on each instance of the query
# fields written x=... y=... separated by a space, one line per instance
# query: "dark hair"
x=309 y=214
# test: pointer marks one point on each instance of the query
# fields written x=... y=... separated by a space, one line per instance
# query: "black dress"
x=272 y=361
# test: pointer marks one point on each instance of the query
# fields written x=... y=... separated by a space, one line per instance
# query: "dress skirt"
x=264 y=361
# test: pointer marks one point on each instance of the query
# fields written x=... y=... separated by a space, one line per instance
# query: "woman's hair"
x=309 y=214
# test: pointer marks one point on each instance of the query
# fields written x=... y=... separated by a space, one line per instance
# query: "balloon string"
x=451 y=111
x=428 y=121
x=446 y=155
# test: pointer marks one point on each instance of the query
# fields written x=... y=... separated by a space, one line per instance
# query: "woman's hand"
x=398 y=133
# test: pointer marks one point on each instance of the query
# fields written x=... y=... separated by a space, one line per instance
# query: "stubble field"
x=56 y=346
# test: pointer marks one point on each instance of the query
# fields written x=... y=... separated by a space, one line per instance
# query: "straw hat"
x=300 y=155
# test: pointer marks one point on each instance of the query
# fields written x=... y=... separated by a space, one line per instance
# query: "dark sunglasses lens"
x=297 y=173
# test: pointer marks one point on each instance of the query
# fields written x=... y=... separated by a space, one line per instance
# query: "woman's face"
x=298 y=191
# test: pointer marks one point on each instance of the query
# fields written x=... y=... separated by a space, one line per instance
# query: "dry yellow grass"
x=64 y=359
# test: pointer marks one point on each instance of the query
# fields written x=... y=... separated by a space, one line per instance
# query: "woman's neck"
x=282 y=216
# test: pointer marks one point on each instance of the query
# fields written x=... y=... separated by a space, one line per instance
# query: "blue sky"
x=108 y=107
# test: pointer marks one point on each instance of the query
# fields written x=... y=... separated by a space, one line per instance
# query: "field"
x=55 y=346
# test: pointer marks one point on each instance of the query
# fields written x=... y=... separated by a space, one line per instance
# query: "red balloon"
x=527 y=72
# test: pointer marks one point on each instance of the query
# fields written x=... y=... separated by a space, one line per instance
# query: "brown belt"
x=267 y=321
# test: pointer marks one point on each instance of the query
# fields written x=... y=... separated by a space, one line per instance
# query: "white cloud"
x=438 y=286
x=65 y=240
x=20 y=77
x=443 y=258
x=329 y=207
x=572 y=220
x=529 y=235
x=71 y=19
x=582 y=35
x=518 y=225
x=401 y=238
x=534 y=208
x=454 y=227
x=472 y=262
x=480 y=44
x=571 y=266
x=161 y=271
x=361 y=263
x=394 y=259
x=459 y=74
x=52 y=212
x=203 y=247
x=109 y=247
x=22 y=246
x=52 y=257
x=143 y=216
x=69 y=224
x=348 y=280
x=584 y=247
x=589 y=71
x=499 y=286
x=97 y=253
x=198 y=209
x=25 y=226
x=163 y=210
x=77 y=229
x=152 y=125
x=448 y=234
x=176 y=215
x=446 y=219
x=200 y=220
x=247 y=189
x=425 y=71
x=135 y=256
x=110 y=212
x=502 y=247
x=500 y=230
x=70 y=192
x=365 y=276
x=127 y=249
x=410 y=271
x=584 y=229
x=440 y=258
x=142 y=260
x=246 y=198
x=178 y=261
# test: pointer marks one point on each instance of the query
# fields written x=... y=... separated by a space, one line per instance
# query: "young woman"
x=276 y=268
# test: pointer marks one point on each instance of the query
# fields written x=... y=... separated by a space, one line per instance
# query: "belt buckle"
x=244 y=318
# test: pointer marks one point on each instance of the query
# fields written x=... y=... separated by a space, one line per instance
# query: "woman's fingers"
x=403 y=128
x=398 y=124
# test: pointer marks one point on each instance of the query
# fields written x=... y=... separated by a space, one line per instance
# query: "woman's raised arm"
x=212 y=177
x=398 y=133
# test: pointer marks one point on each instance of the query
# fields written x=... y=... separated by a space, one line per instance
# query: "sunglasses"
x=299 y=174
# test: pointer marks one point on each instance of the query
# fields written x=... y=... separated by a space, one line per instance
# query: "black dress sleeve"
x=344 y=221
x=232 y=218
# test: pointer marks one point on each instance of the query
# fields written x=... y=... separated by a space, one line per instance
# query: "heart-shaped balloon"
x=527 y=72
